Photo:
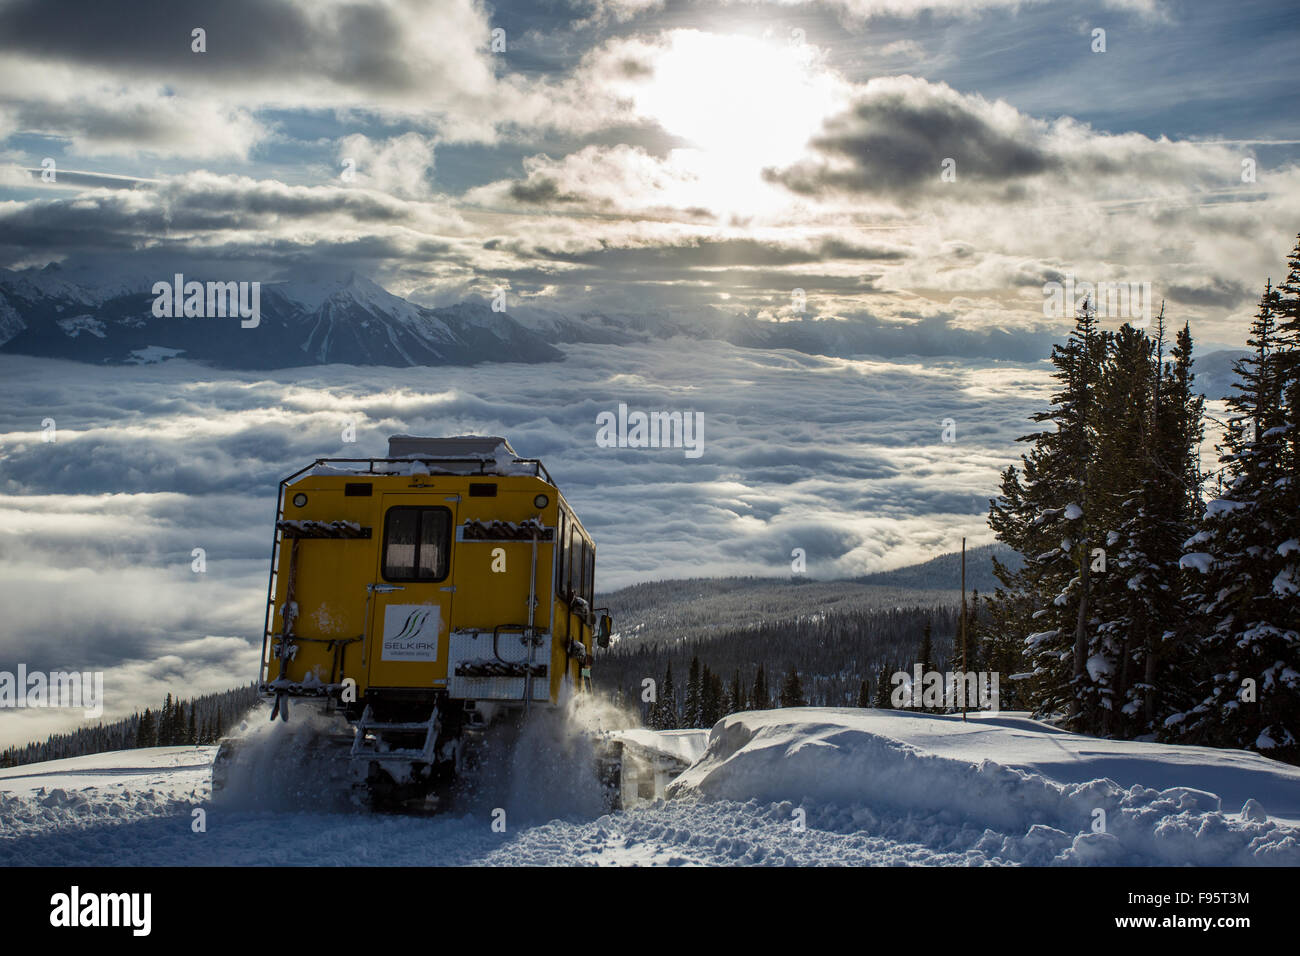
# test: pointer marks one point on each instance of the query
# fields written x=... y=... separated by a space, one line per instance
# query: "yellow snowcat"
x=423 y=598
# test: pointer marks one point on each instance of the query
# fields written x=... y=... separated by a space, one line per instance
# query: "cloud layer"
x=843 y=458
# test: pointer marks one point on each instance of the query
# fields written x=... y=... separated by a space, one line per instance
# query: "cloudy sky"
x=616 y=156
x=627 y=154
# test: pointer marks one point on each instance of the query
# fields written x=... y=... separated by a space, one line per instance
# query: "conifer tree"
x=694 y=696
x=884 y=690
x=791 y=694
x=1249 y=685
x=167 y=723
x=1123 y=570
x=864 y=694
x=1043 y=513
x=710 y=698
x=974 y=651
x=758 y=698
x=1286 y=583
x=1154 y=581
x=146 y=734
x=667 y=702
x=924 y=657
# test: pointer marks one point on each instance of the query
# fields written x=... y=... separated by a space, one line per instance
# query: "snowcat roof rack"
x=461 y=455
x=485 y=466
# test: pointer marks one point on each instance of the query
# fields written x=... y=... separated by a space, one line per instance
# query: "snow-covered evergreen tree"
x=710 y=698
x=1099 y=509
x=1044 y=514
x=663 y=715
x=736 y=696
x=791 y=694
x=884 y=688
x=925 y=653
x=147 y=730
x=1248 y=662
x=759 y=698
x=1147 y=498
x=694 y=716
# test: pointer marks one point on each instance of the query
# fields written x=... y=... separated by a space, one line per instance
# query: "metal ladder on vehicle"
x=272 y=581
x=365 y=749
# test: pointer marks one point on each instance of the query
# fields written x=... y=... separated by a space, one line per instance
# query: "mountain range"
x=321 y=319
x=699 y=608
x=347 y=319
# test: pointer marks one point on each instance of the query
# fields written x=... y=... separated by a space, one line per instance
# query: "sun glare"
x=743 y=103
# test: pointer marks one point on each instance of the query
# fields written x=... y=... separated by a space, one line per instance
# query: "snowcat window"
x=574 y=579
x=589 y=572
x=416 y=544
x=562 y=556
x=580 y=566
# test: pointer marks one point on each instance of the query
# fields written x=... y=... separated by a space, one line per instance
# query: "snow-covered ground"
x=799 y=786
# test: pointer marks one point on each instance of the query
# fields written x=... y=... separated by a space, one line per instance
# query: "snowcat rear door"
x=412 y=593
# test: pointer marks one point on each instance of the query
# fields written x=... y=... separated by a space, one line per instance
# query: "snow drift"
x=875 y=788
x=1034 y=789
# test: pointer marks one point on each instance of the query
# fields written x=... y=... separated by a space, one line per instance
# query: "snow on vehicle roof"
x=455 y=455
x=457 y=446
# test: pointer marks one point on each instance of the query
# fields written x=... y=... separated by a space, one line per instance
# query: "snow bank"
x=80 y=793
x=1032 y=789
x=868 y=788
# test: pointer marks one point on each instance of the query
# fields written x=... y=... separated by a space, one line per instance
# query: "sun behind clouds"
x=741 y=104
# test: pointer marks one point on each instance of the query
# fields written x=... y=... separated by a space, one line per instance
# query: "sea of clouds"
x=844 y=458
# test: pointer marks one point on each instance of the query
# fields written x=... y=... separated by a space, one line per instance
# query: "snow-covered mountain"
x=346 y=319
x=94 y=313
x=1214 y=372
x=102 y=315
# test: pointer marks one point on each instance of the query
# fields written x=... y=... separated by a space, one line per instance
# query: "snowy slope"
x=871 y=787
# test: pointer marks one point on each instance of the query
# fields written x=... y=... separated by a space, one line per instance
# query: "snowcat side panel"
x=327 y=591
x=573 y=620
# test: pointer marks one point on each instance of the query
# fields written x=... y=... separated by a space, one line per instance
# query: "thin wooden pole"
x=963 y=627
